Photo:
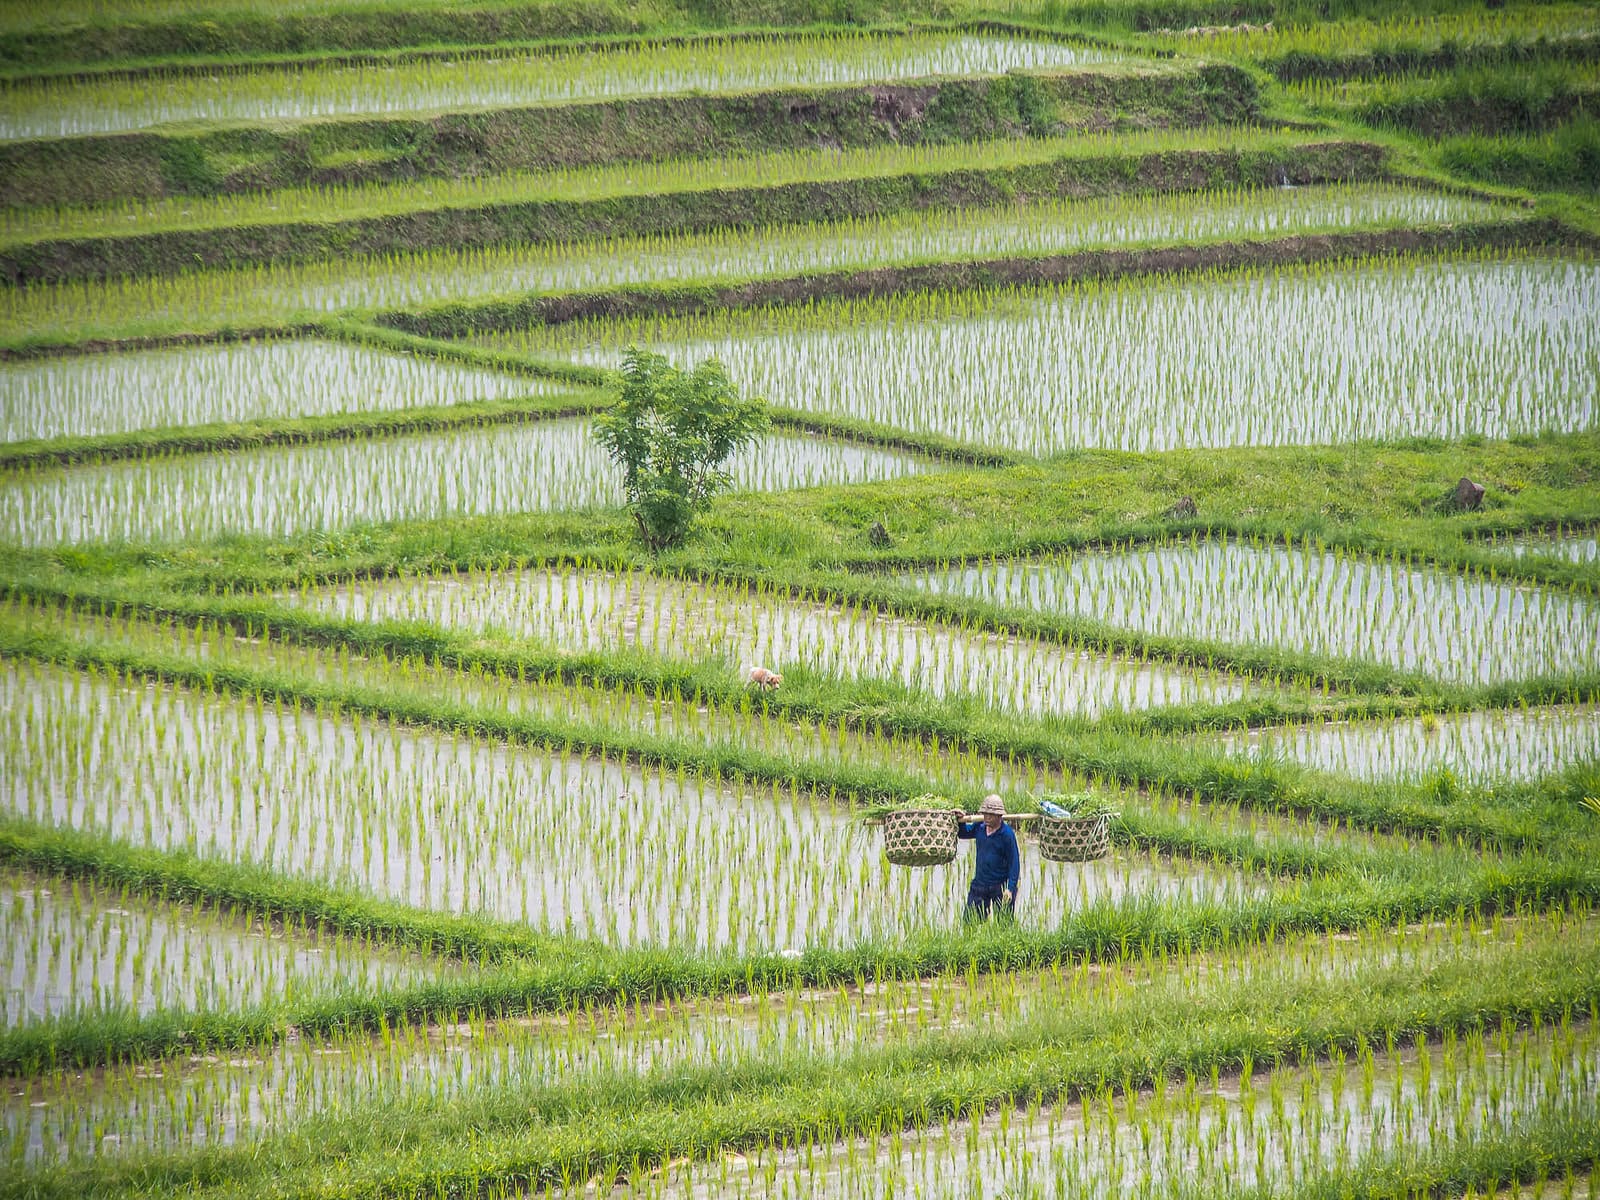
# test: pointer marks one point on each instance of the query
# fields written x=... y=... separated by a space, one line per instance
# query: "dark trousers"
x=987 y=901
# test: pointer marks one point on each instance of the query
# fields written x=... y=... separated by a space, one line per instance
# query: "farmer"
x=999 y=863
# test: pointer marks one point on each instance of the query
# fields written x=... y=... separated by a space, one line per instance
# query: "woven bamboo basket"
x=1074 y=839
x=920 y=837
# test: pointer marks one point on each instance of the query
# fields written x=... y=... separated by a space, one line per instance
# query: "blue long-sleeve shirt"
x=999 y=860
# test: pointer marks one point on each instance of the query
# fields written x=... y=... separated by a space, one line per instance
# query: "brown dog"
x=761 y=677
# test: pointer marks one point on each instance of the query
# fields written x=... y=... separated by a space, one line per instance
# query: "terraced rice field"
x=545 y=466
x=1289 y=357
x=93 y=395
x=1483 y=747
x=384 y=813
x=1304 y=600
x=500 y=80
x=71 y=948
x=589 y=610
x=264 y=295
x=412 y=817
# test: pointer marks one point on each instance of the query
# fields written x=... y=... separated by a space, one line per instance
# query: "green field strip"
x=128 y=68
x=741 y=168
x=1399 y=41
x=292 y=431
x=462 y=673
x=387 y=166
x=176 y=877
x=708 y=208
x=541 y=1053
x=669 y=300
x=615 y=1125
x=1019 y=354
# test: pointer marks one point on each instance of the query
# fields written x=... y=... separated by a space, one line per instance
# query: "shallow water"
x=1291 y=356
x=565 y=843
x=538 y=467
x=1477 y=747
x=70 y=947
x=1457 y=628
x=511 y=79
x=98 y=394
x=592 y=610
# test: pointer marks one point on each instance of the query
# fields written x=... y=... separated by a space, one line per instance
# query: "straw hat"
x=992 y=804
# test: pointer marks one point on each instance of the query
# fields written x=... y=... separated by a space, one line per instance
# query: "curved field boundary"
x=1303 y=66
x=1121 y=755
x=161 y=68
x=455 y=320
x=366 y=149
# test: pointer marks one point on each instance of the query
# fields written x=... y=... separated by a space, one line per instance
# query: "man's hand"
x=1010 y=895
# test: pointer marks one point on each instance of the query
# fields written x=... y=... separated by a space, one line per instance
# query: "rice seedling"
x=1277 y=1128
x=1460 y=628
x=756 y=168
x=747 y=724
x=71 y=948
x=585 y=610
x=100 y=12
x=1566 y=545
x=271 y=294
x=275 y=294
x=1476 y=747
x=1325 y=353
x=224 y=1100
x=500 y=79
x=116 y=393
x=540 y=466
x=462 y=824
x=1465 y=29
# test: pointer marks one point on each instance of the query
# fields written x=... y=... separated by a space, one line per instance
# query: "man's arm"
x=1016 y=865
x=967 y=831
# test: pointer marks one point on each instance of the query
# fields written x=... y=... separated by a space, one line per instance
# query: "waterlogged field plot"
x=100 y=394
x=751 y=724
x=1302 y=355
x=1457 y=628
x=1278 y=1128
x=755 y=168
x=70 y=947
x=466 y=825
x=590 y=610
x=270 y=293
x=542 y=466
x=1578 y=546
x=1479 y=747
x=512 y=79
x=1511 y=27
x=207 y=1100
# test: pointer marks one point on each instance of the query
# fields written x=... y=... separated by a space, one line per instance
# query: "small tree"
x=672 y=434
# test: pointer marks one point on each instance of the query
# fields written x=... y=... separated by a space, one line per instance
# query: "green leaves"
x=673 y=434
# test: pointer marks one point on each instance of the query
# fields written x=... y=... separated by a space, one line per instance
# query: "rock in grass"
x=1468 y=496
x=878 y=535
x=1185 y=507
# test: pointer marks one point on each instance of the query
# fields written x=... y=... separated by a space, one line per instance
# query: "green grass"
x=1124 y=1041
